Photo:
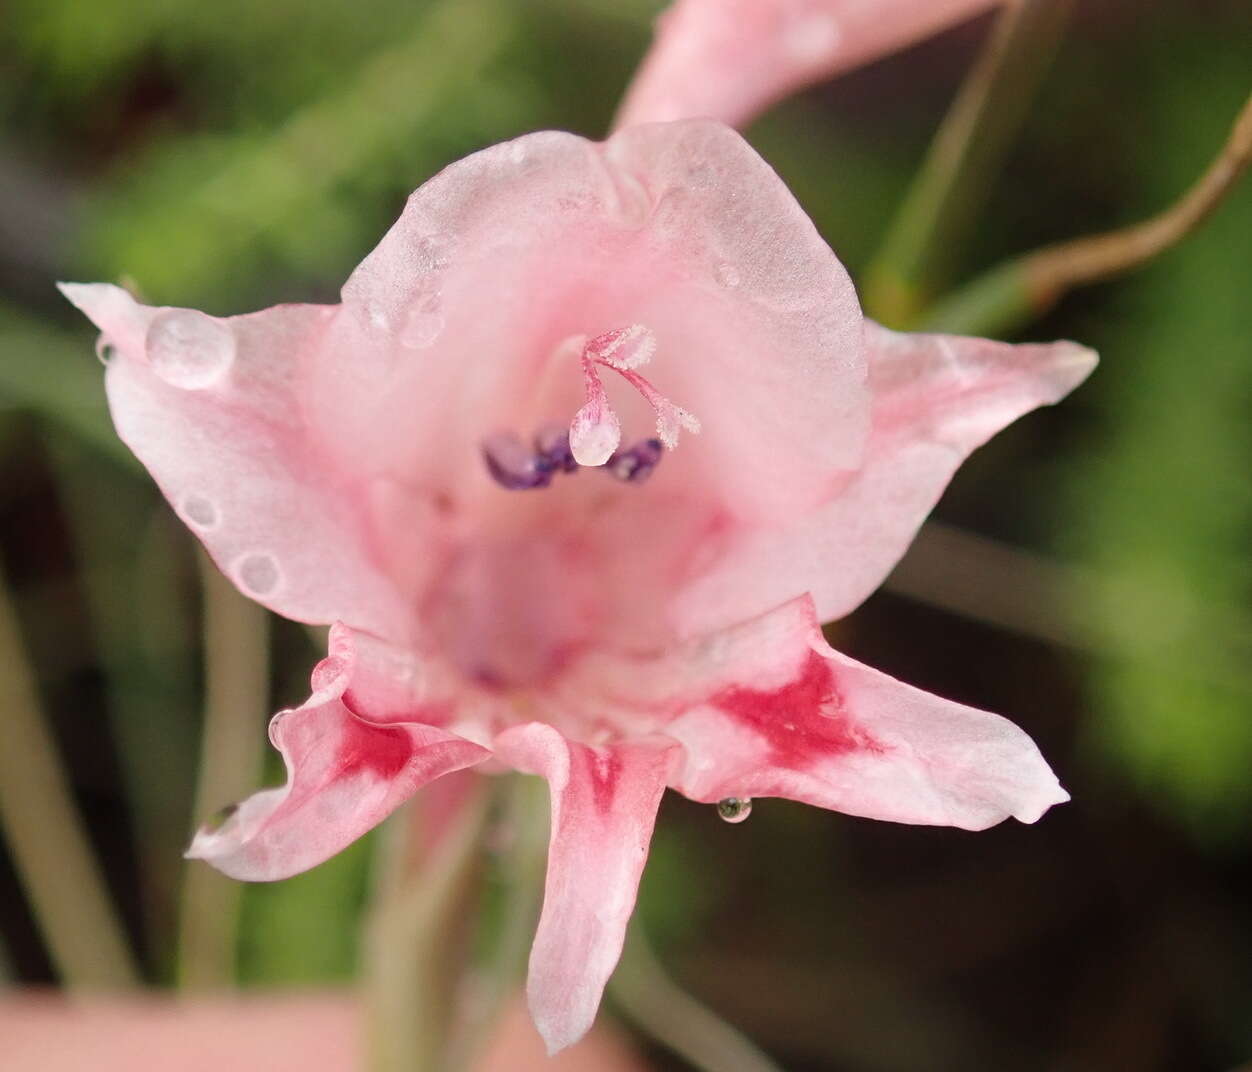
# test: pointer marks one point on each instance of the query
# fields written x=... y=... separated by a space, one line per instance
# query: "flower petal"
x=767 y=708
x=680 y=229
x=936 y=398
x=214 y=409
x=344 y=776
x=604 y=803
x=730 y=59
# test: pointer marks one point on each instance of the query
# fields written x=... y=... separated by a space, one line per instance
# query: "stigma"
x=595 y=432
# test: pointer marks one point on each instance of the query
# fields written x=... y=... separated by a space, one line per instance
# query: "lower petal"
x=768 y=708
x=344 y=776
x=604 y=804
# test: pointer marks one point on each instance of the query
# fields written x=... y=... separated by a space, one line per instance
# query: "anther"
x=552 y=445
x=514 y=467
x=636 y=464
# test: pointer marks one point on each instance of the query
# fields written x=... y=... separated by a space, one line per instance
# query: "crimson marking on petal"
x=803 y=720
x=381 y=751
x=604 y=769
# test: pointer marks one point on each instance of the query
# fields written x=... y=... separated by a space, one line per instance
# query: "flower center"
x=594 y=436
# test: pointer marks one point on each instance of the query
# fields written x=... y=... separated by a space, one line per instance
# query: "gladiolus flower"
x=595 y=439
x=731 y=59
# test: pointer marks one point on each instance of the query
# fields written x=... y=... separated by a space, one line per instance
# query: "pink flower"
x=731 y=59
x=398 y=465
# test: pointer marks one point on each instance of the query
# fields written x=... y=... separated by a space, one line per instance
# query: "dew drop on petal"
x=433 y=253
x=200 y=511
x=188 y=349
x=734 y=809
x=421 y=329
x=811 y=37
x=727 y=275
x=258 y=573
x=105 y=350
x=594 y=434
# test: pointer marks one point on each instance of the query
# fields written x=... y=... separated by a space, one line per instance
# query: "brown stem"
x=1007 y=297
x=1055 y=269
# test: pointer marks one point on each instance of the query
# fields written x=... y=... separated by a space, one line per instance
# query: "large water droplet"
x=105 y=350
x=734 y=809
x=727 y=275
x=188 y=349
x=200 y=511
x=258 y=573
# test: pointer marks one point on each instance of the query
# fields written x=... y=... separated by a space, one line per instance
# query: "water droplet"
x=378 y=316
x=188 y=349
x=734 y=809
x=811 y=37
x=258 y=574
x=200 y=511
x=727 y=275
x=433 y=253
x=423 y=326
x=105 y=350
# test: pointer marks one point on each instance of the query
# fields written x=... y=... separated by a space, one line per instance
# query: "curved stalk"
x=1011 y=295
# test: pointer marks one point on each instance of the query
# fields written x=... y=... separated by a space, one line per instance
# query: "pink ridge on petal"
x=604 y=804
x=936 y=398
x=769 y=709
x=344 y=776
x=731 y=59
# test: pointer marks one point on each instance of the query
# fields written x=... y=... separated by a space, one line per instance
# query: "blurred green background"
x=227 y=156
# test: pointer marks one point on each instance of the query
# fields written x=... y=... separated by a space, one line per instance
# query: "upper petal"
x=680 y=227
x=604 y=804
x=214 y=408
x=344 y=776
x=730 y=59
x=936 y=398
x=767 y=708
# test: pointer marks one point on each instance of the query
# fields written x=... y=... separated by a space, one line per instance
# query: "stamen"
x=514 y=467
x=552 y=443
x=636 y=464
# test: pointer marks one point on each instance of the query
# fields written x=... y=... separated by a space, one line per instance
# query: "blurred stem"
x=49 y=845
x=409 y=991
x=524 y=866
x=656 y=1004
x=1015 y=293
x=940 y=208
x=135 y=560
x=236 y=678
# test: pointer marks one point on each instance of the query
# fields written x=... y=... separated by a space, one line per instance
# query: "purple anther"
x=552 y=443
x=635 y=464
x=514 y=467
